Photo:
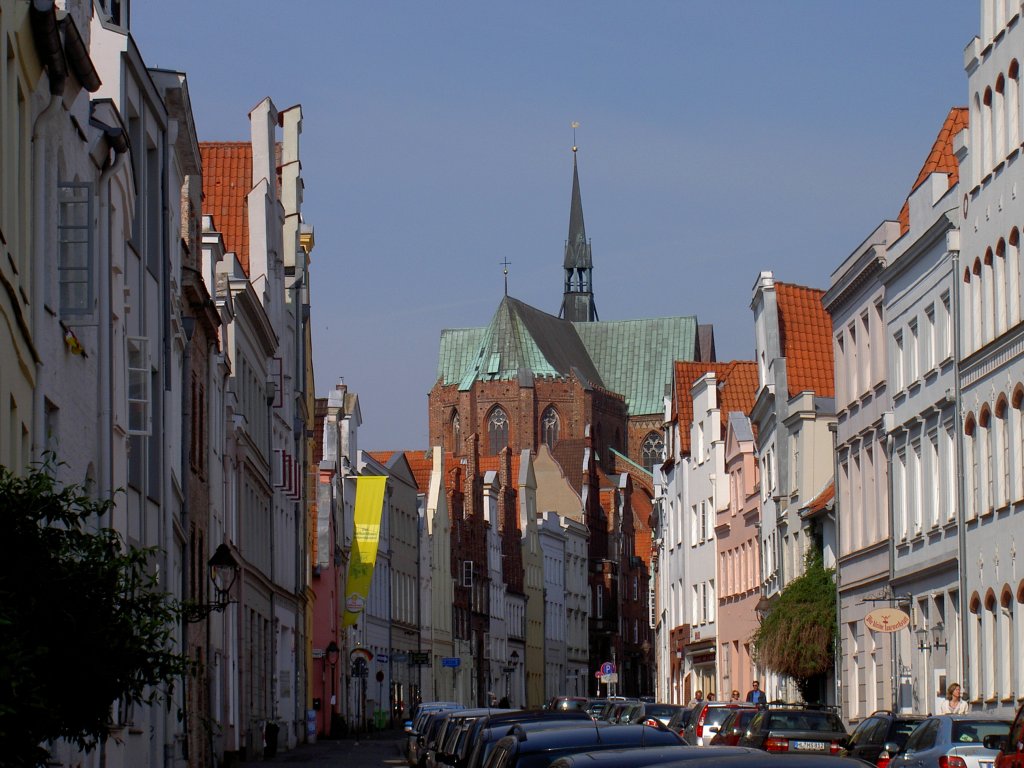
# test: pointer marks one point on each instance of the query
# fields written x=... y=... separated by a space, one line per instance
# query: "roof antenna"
x=575 y=125
x=505 y=262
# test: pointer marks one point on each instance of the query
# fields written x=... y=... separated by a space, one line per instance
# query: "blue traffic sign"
x=607 y=668
x=450 y=661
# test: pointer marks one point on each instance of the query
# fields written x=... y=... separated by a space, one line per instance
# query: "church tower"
x=578 y=294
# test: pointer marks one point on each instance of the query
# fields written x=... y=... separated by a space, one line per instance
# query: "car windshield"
x=804 y=721
x=975 y=731
x=902 y=730
x=716 y=715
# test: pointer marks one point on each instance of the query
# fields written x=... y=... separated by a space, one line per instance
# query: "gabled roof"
x=630 y=357
x=227 y=181
x=737 y=389
x=940 y=159
x=635 y=357
x=805 y=337
x=519 y=337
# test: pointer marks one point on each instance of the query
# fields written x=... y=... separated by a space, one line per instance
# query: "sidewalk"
x=381 y=748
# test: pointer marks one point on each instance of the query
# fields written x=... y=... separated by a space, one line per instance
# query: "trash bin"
x=270 y=732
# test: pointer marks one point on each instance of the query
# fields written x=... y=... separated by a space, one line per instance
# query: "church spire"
x=578 y=292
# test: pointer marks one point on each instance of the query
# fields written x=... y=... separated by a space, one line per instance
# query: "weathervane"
x=505 y=262
x=575 y=125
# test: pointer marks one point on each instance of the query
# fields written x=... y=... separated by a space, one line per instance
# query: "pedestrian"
x=698 y=699
x=755 y=695
x=953 y=704
x=735 y=695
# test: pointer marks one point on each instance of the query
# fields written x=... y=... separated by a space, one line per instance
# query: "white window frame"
x=138 y=390
x=74 y=246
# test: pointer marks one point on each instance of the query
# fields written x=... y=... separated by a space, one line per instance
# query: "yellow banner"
x=366 y=521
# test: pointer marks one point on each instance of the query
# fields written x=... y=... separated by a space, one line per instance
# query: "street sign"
x=607 y=668
x=450 y=661
x=419 y=658
x=611 y=678
x=382 y=658
x=400 y=658
x=359 y=668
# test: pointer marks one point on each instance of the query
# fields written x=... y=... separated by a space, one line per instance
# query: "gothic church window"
x=651 y=450
x=549 y=424
x=497 y=430
x=455 y=431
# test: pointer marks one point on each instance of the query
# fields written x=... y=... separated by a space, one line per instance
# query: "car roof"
x=633 y=756
x=715 y=759
x=597 y=733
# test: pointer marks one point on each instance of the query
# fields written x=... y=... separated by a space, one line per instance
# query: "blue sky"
x=716 y=140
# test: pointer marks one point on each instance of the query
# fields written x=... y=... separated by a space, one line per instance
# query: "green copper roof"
x=632 y=357
x=635 y=357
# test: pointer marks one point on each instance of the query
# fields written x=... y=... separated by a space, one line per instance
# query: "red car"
x=734 y=726
x=1011 y=748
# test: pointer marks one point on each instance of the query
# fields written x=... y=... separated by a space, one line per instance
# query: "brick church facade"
x=590 y=392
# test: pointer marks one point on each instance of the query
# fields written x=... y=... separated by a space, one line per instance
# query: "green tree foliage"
x=82 y=622
x=797 y=637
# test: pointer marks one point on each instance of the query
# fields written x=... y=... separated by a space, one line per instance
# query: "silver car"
x=951 y=741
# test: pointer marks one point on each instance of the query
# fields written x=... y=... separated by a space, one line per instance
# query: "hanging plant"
x=797 y=636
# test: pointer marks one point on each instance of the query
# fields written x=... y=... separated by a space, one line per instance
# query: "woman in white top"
x=953 y=704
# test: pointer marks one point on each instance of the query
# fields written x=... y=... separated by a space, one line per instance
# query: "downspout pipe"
x=118 y=142
x=953 y=246
x=46 y=35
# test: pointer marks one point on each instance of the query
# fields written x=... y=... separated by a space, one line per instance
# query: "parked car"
x=710 y=758
x=640 y=757
x=873 y=738
x=460 y=723
x=1010 y=747
x=538 y=749
x=646 y=713
x=734 y=726
x=678 y=721
x=486 y=733
x=414 y=728
x=568 y=702
x=707 y=718
x=796 y=729
x=614 y=710
x=952 y=741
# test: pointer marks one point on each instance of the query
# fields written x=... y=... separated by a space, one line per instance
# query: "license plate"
x=985 y=763
x=812 y=746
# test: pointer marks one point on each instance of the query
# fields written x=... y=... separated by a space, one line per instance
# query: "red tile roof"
x=737 y=387
x=422 y=464
x=227 y=181
x=805 y=335
x=493 y=464
x=381 y=457
x=819 y=502
x=940 y=160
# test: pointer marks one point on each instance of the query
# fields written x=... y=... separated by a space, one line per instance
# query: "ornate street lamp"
x=223 y=570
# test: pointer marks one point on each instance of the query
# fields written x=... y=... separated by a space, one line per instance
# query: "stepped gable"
x=737 y=389
x=941 y=159
x=227 y=181
x=805 y=337
x=635 y=358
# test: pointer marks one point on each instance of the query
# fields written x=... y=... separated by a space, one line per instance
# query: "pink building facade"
x=739 y=564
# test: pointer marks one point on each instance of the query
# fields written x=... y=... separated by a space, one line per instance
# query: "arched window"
x=455 y=430
x=988 y=298
x=1016 y=440
x=986 y=472
x=497 y=430
x=1001 y=459
x=549 y=424
x=651 y=450
x=1013 y=283
x=986 y=132
x=1013 y=104
x=971 y=480
x=999 y=120
x=1000 y=309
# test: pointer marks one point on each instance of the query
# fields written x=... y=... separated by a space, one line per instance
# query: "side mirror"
x=996 y=741
x=891 y=747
